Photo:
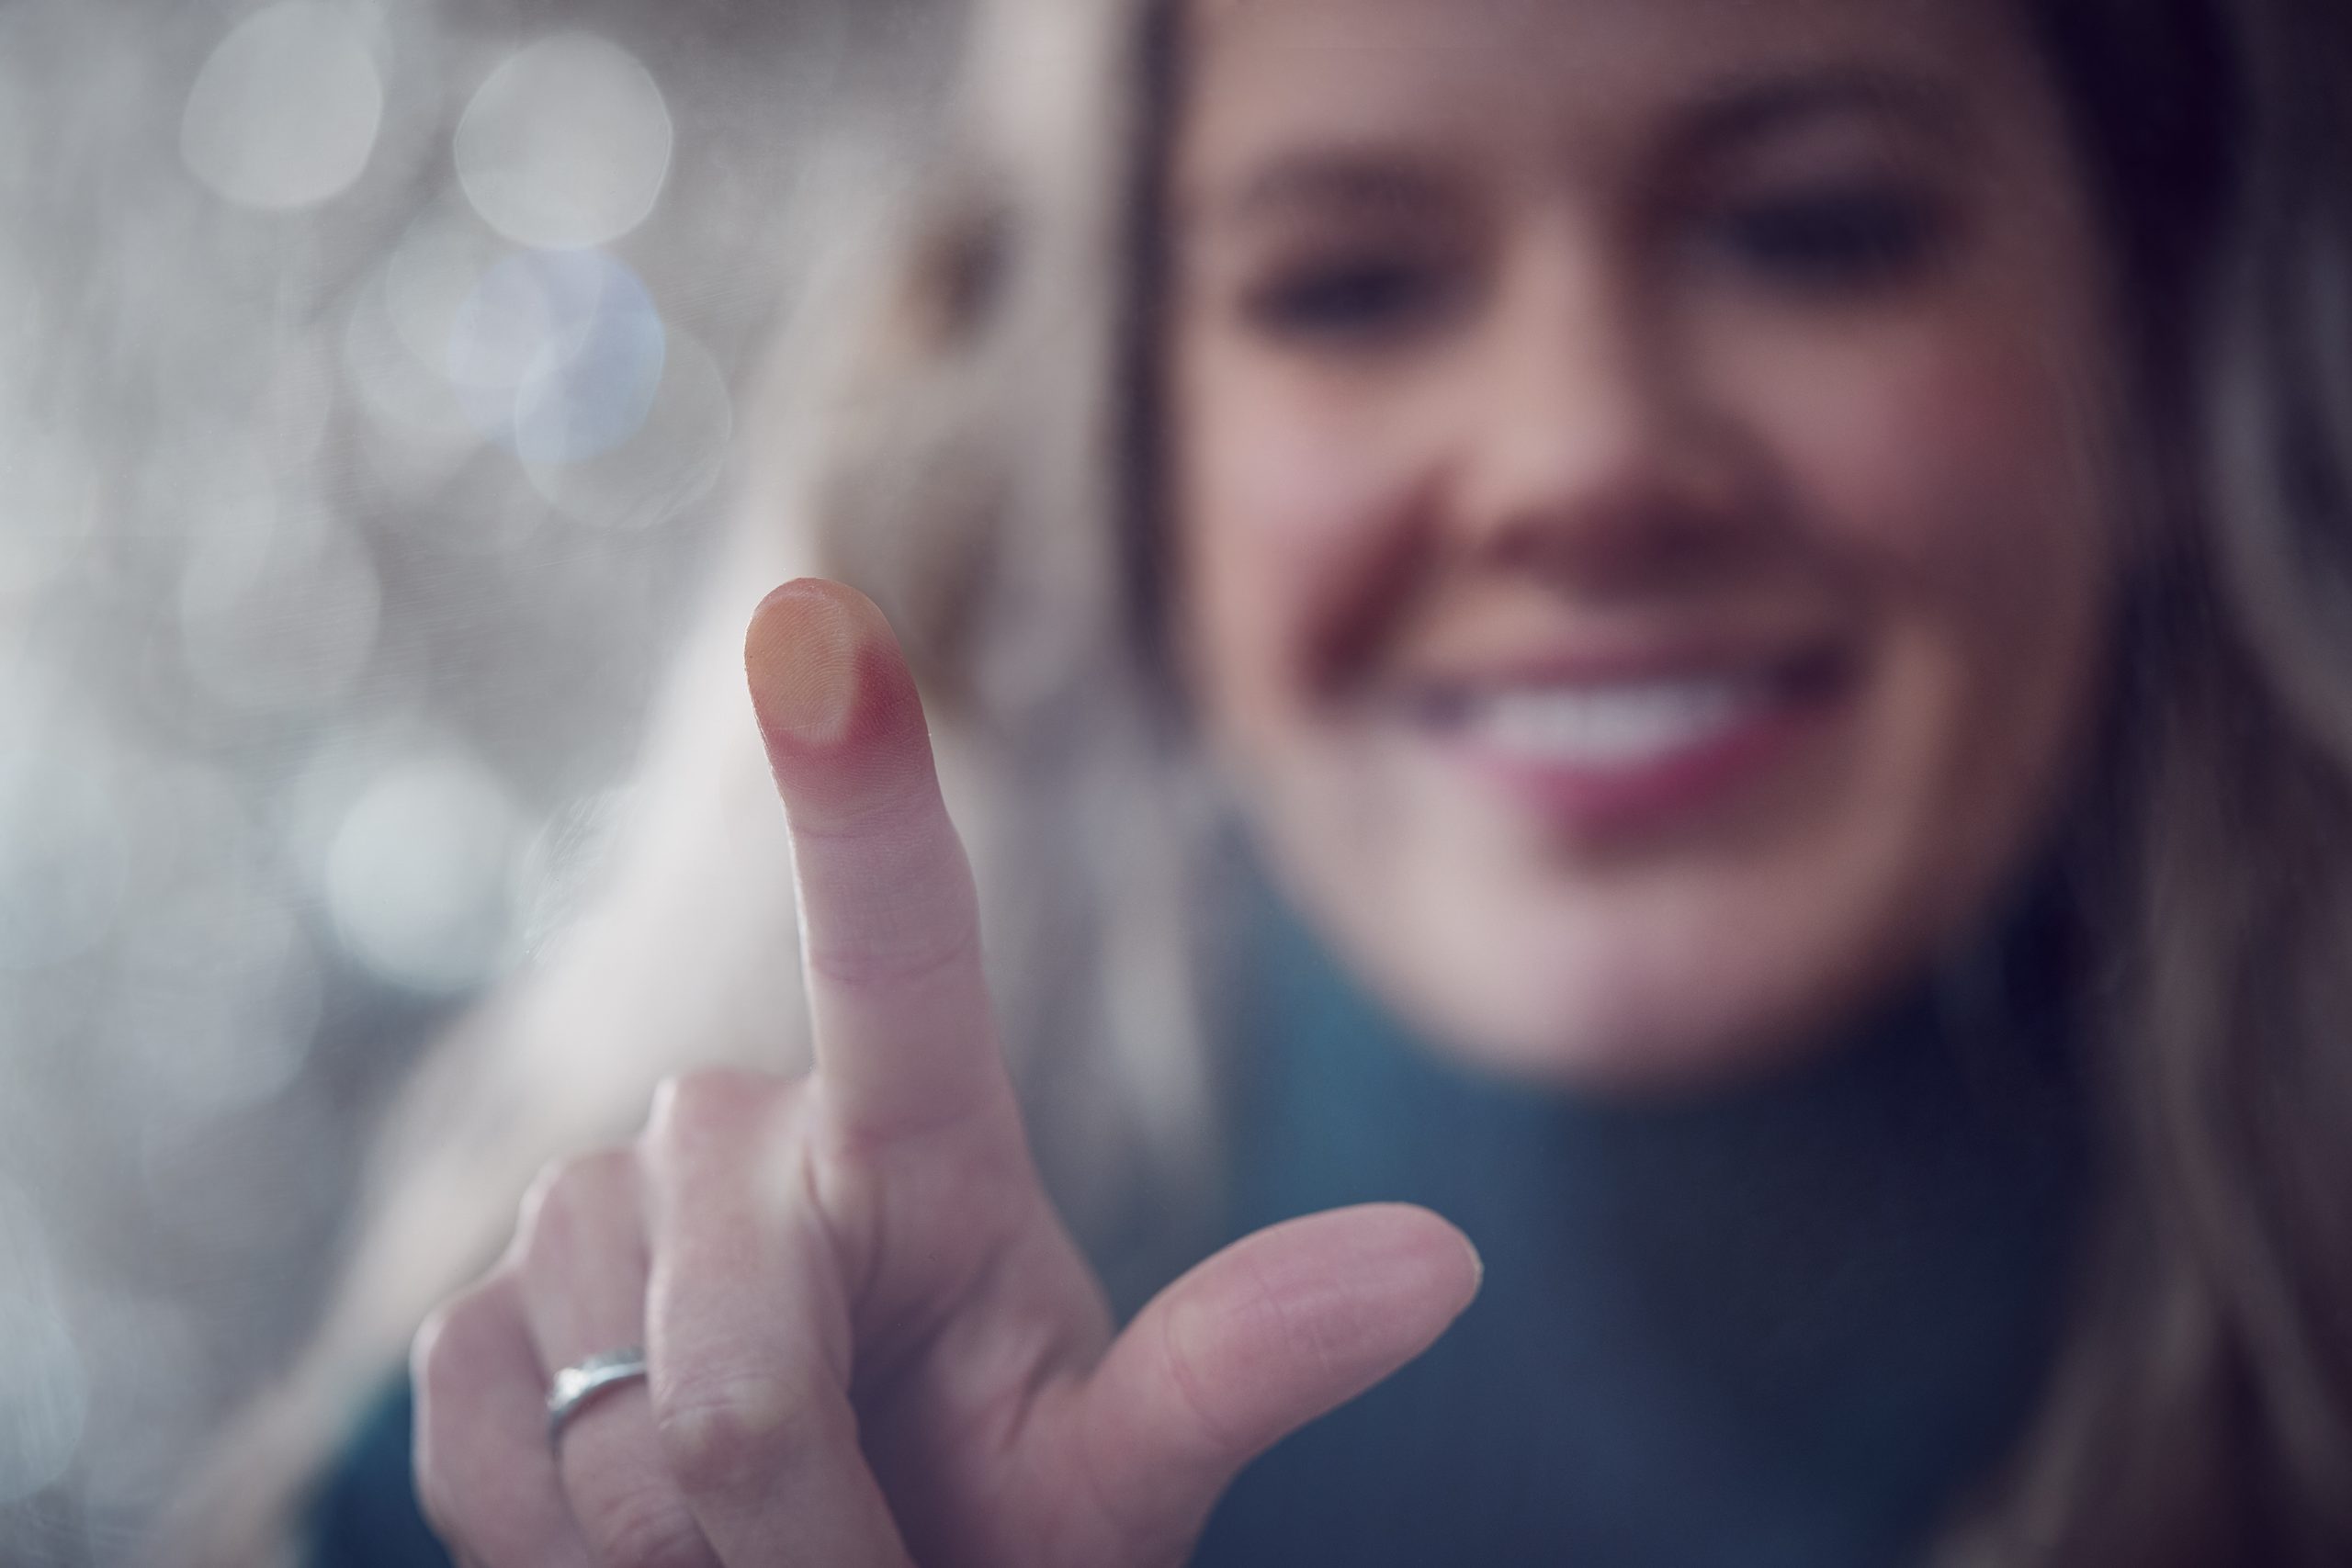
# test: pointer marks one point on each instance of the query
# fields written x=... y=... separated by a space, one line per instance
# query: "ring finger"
x=583 y=1270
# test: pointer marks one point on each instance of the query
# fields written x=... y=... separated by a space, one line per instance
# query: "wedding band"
x=576 y=1385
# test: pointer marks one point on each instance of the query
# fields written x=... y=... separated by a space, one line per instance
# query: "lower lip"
x=1667 y=792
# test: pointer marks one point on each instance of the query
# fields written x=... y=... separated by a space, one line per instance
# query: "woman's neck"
x=1840 y=1284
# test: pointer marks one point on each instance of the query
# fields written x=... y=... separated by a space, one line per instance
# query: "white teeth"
x=1617 y=726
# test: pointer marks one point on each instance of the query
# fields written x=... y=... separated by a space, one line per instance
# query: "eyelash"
x=1352 y=301
x=1831 y=242
x=1819 y=245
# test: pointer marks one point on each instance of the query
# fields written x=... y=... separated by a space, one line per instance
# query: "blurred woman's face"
x=1639 y=478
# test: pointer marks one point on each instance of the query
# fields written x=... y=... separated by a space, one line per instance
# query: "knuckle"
x=535 y=1196
x=722 y=1429
x=429 y=1353
x=448 y=1359
x=451 y=1351
x=688 y=1107
x=566 y=1192
x=645 y=1525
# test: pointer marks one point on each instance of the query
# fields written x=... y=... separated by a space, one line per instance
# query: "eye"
x=1354 y=300
x=1832 y=242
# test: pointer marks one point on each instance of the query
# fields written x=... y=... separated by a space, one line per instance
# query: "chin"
x=1635 y=1045
x=1599 y=1004
x=1697 y=963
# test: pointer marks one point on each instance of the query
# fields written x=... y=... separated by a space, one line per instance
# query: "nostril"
x=1818 y=673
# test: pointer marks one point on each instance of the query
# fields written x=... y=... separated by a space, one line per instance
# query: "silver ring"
x=574 y=1386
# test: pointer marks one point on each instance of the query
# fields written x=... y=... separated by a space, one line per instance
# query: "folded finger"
x=484 y=1473
x=750 y=1337
x=580 y=1269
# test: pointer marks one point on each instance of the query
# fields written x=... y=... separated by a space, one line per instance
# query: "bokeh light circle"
x=566 y=145
x=557 y=355
x=285 y=112
x=217 y=999
x=406 y=395
x=65 y=853
x=418 y=877
x=430 y=274
x=675 y=459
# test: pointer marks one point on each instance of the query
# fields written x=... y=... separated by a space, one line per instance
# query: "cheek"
x=1954 y=477
x=1955 y=485
x=1295 y=519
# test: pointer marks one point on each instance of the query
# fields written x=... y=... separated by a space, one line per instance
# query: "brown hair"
x=2204 y=1411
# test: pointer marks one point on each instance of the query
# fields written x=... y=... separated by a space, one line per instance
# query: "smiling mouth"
x=1618 y=726
x=1604 y=753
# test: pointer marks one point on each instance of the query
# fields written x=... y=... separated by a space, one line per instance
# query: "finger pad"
x=837 y=707
x=1304 y=1315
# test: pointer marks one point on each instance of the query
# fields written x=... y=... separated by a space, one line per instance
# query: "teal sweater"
x=1789 y=1325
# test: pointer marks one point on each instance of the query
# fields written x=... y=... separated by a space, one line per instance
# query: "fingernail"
x=802 y=657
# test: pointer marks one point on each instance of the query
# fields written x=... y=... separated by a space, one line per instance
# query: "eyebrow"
x=1369 y=179
x=1342 y=179
x=1751 y=112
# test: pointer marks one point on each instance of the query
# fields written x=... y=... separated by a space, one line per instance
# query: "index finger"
x=889 y=922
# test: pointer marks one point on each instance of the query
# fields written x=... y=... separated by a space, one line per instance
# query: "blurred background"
x=371 y=380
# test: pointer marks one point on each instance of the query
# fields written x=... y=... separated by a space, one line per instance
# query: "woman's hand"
x=870 y=1340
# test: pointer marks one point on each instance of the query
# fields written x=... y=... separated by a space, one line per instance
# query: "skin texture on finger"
x=890 y=920
x=961 y=1289
x=580 y=1259
x=915 y=1135
x=484 y=1472
x=580 y=1265
x=1261 y=1338
x=750 y=1341
x=911 y=1224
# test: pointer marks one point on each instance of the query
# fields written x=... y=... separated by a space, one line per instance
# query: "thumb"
x=1261 y=1338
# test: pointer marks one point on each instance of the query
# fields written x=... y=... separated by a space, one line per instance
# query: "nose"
x=1588 y=454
